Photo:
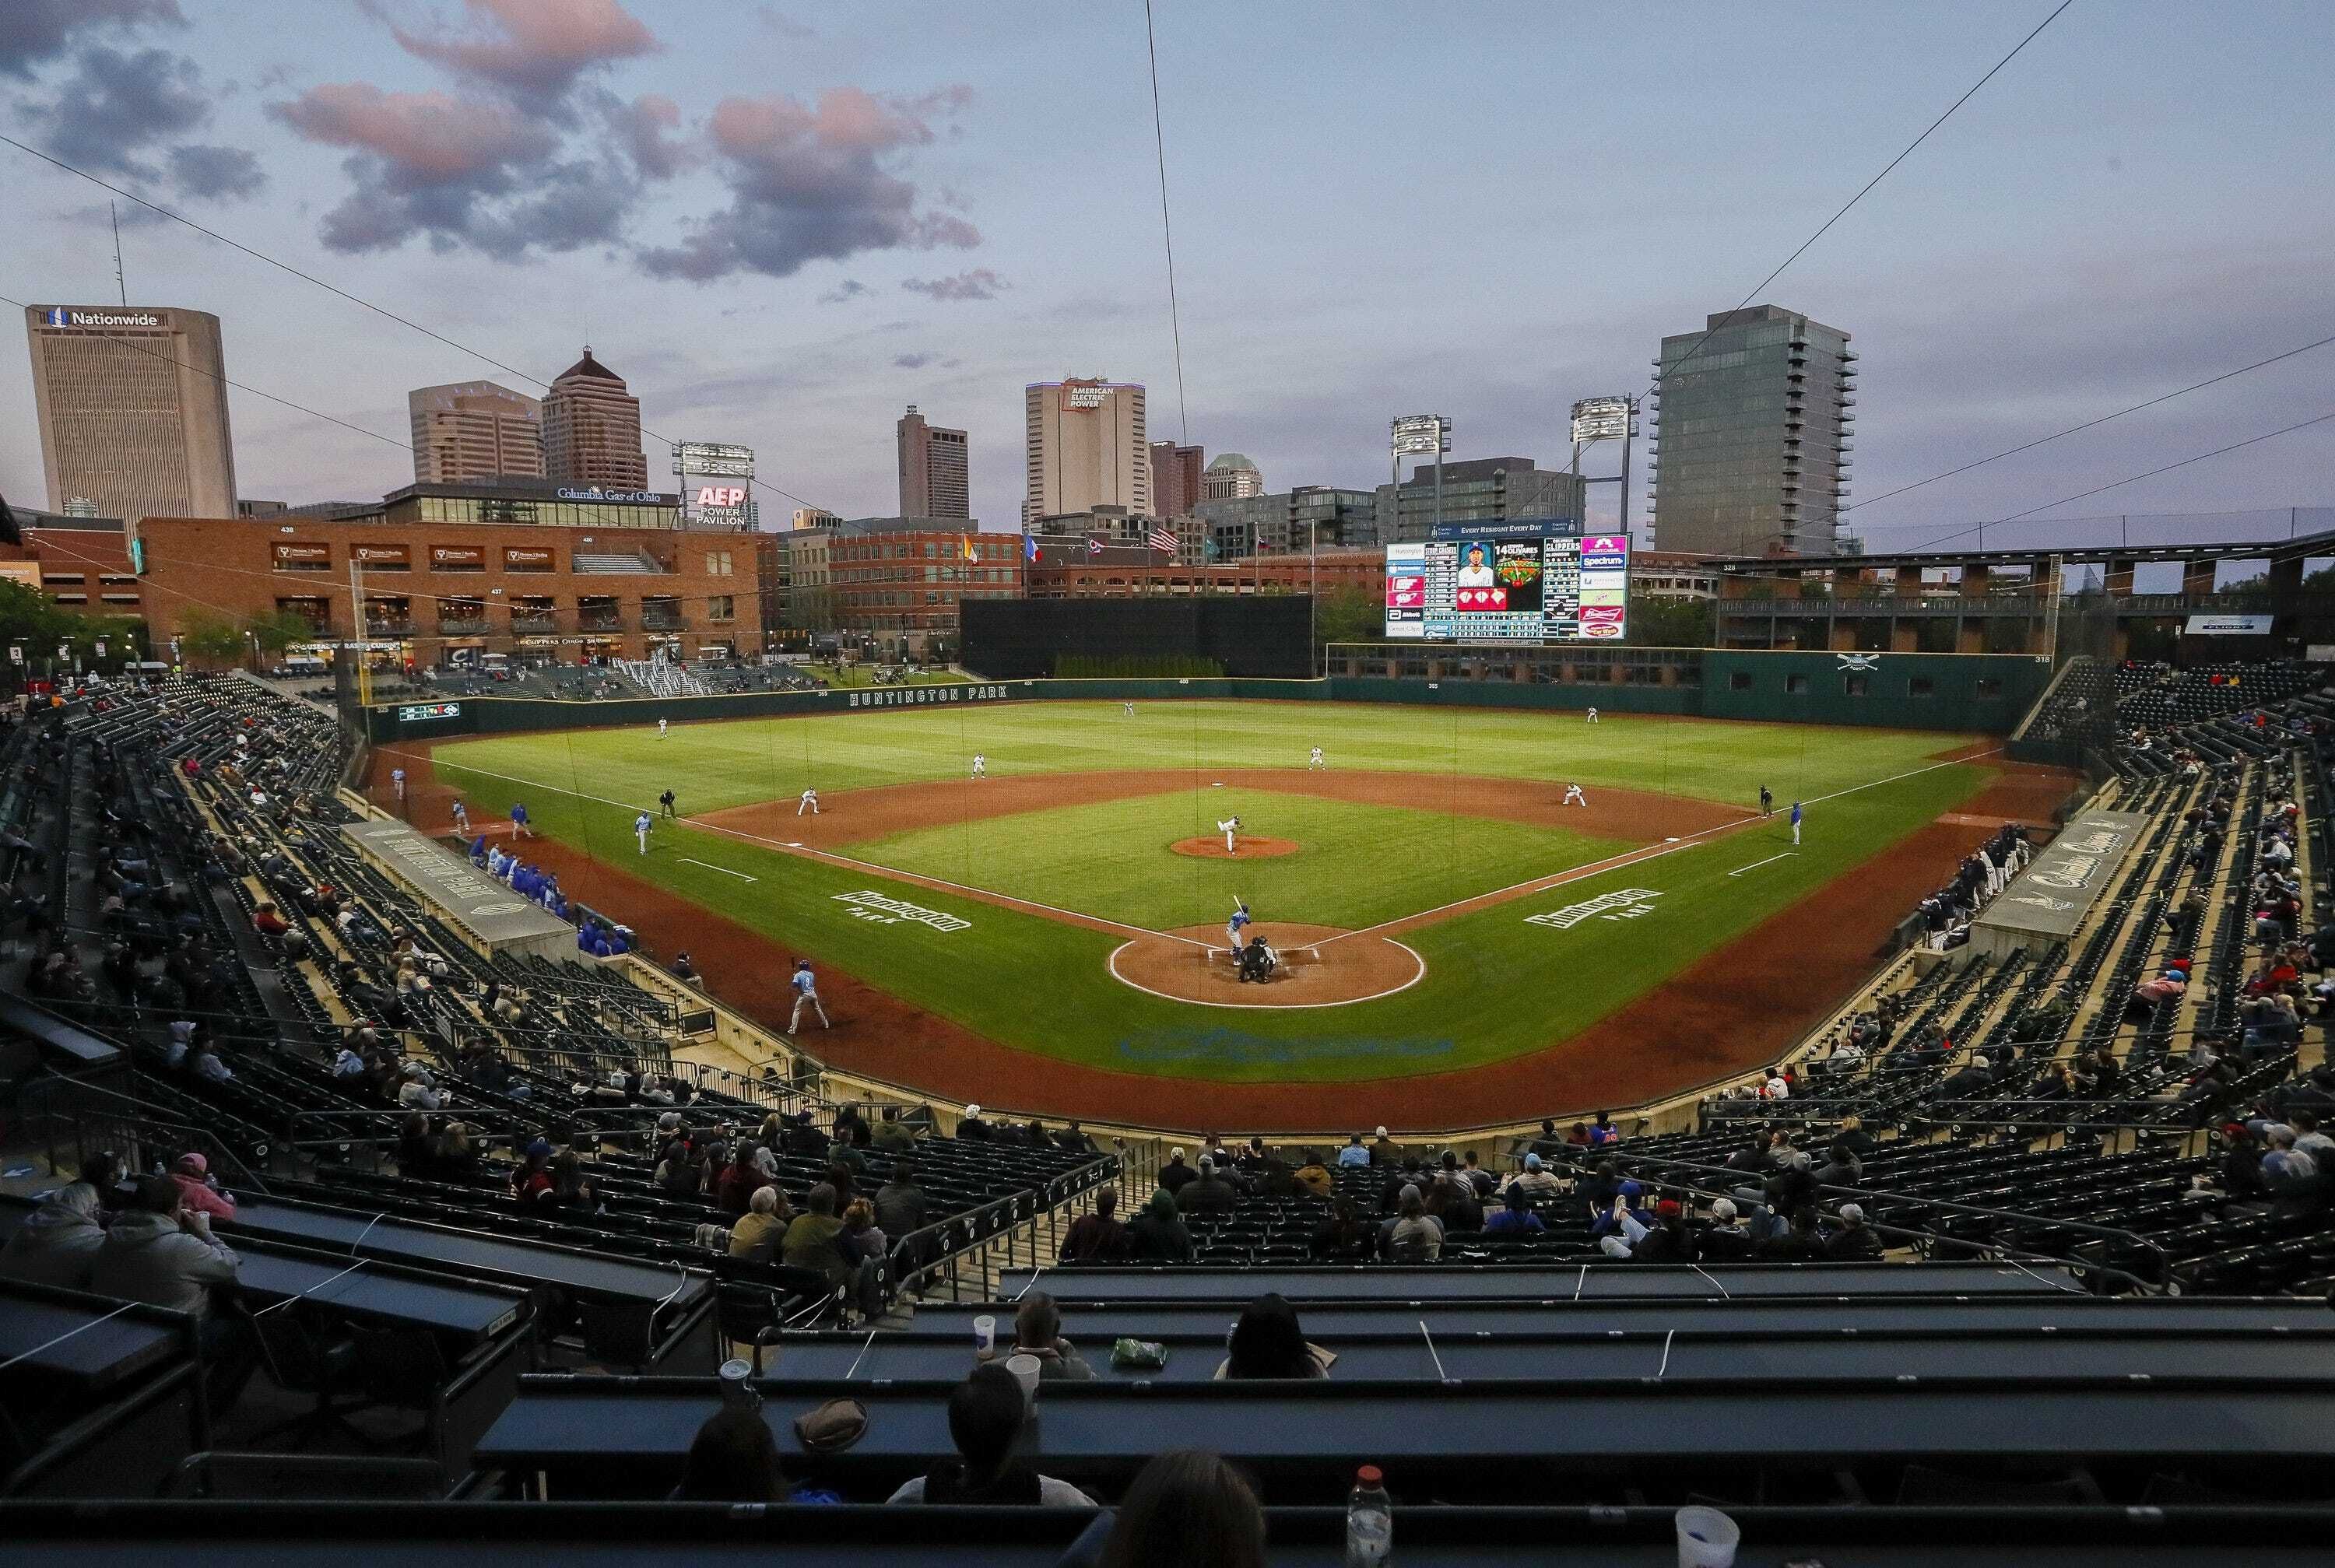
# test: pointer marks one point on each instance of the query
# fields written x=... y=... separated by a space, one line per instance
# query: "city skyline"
x=2060 y=207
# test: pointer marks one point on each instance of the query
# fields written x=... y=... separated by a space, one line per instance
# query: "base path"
x=1211 y=847
x=856 y=816
x=1314 y=973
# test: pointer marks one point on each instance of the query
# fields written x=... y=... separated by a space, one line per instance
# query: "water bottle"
x=1370 y=1520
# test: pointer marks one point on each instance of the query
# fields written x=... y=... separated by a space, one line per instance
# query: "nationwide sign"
x=65 y=315
x=2046 y=902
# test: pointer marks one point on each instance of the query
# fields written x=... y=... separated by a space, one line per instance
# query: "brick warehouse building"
x=896 y=579
x=438 y=592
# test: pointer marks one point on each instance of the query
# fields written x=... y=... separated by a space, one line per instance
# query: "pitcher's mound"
x=1315 y=970
x=1211 y=847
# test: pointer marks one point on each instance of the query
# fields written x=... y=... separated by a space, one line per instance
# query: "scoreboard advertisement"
x=1508 y=583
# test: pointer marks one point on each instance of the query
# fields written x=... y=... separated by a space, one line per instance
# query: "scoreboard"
x=1508 y=583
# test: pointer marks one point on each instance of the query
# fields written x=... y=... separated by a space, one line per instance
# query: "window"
x=1989 y=686
x=1920 y=686
x=1739 y=680
x=717 y=563
x=1856 y=684
x=721 y=607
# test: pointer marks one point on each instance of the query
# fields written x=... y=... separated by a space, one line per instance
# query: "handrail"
x=1863 y=1193
x=1043 y=1199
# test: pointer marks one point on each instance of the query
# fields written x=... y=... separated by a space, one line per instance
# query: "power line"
x=1160 y=142
x=1876 y=180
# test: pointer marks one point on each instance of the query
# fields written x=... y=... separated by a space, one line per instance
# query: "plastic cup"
x=1707 y=1538
x=985 y=1335
x=1026 y=1368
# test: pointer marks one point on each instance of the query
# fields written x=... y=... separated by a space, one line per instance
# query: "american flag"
x=1164 y=539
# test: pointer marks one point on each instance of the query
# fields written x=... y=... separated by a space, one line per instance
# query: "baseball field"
x=1458 y=944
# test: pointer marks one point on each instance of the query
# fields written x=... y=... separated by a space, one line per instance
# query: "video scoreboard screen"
x=1503 y=583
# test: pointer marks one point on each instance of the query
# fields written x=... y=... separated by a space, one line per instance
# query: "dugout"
x=1268 y=637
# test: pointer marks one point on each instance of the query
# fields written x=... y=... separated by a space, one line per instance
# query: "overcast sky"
x=783 y=223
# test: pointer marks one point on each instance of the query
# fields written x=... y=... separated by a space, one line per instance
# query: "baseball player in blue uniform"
x=1233 y=927
x=806 y=986
x=1796 y=822
x=640 y=826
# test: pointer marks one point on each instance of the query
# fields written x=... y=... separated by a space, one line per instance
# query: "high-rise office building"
x=1308 y=519
x=1085 y=446
x=592 y=429
x=131 y=401
x=1231 y=477
x=934 y=477
x=1175 y=476
x=1752 y=439
x=474 y=430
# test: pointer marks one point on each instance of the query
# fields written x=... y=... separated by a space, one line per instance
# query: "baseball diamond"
x=1448 y=931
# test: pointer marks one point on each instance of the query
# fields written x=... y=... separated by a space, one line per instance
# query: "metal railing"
x=1021 y=1229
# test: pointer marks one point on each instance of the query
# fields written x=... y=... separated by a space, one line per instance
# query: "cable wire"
x=1159 y=143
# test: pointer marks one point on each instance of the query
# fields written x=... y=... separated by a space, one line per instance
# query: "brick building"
x=438 y=594
x=1122 y=572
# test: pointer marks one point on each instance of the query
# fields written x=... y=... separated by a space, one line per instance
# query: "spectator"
x=1725 y=1241
x=892 y=1134
x=1797 y=1243
x=734 y=1459
x=1413 y=1235
x=1384 y=1150
x=57 y=1242
x=1187 y=1509
x=531 y=1180
x=1452 y=1201
x=985 y=1416
x=1097 y=1237
x=1312 y=1177
x=970 y=1125
x=812 y=1237
x=1604 y=1131
x=1157 y=1234
x=1480 y=1180
x=1038 y=1331
x=863 y=1238
x=1535 y=1182
x=1355 y=1154
x=1210 y=1193
x=2283 y=1163
x=902 y=1207
x=1345 y=1237
x=758 y=1231
x=199 y=1192
x=1854 y=1241
x=1515 y=1217
x=676 y=1172
x=163 y=1254
x=736 y=1186
x=1267 y=1342
x=1175 y=1174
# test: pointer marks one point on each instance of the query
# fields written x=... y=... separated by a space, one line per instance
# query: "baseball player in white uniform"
x=1228 y=828
x=806 y=986
x=660 y=729
x=1130 y=709
x=980 y=766
x=640 y=826
x=462 y=819
x=809 y=802
x=1314 y=762
x=1573 y=796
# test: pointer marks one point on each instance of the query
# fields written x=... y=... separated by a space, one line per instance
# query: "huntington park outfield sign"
x=925 y=696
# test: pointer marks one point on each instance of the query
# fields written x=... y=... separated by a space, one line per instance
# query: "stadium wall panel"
x=1268 y=637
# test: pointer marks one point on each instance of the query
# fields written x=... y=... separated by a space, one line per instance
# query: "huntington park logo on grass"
x=886 y=911
x=1627 y=903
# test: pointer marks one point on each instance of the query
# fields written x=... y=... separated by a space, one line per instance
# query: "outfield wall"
x=1963 y=693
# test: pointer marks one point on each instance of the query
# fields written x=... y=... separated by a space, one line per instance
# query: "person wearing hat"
x=531 y=1181
x=199 y=1193
x=56 y=1242
x=1854 y=1241
x=1175 y=1174
x=1724 y=1241
x=1535 y=1181
x=806 y=990
x=1384 y=1150
x=971 y=1127
x=417 y=1090
x=1158 y=1234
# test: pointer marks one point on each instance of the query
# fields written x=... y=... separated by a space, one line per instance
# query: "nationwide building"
x=935 y=475
x=592 y=429
x=1231 y=477
x=1177 y=475
x=1315 y=517
x=131 y=402
x=898 y=581
x=1085 y=446
x=1751 y=440
x=1478 y=490
x=474 y=430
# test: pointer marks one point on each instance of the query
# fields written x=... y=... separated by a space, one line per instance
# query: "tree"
x=276 y=630
x=209 y=639
x=1670 y=623
x=1348 y=615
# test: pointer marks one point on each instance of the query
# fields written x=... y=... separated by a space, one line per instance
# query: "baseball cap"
x=194 y=1164
x=1853 y=1213
x=1722 y=1209
x=1668 y=1208
x=1532 y=1162
x=973 y=1111
x=540 y=1145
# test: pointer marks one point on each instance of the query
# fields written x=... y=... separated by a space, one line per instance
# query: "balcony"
x=461 y=625
x=600 y=621
x=388 y=627
x=534 y=622
x=652 y=621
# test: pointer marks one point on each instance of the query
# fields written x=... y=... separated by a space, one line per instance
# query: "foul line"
x=1635 y=856
x=1755 y=866
x=710 y=866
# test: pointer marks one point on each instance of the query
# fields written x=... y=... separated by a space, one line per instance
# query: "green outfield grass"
x=1357 y=865
x=1496 y=986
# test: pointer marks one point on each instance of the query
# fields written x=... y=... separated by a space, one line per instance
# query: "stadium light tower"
x=1605 y=418
x=1418 y=435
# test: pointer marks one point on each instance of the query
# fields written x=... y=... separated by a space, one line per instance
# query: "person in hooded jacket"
x=58 y=1241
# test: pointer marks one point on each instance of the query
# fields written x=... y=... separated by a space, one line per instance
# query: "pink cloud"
x=430 y=137
x=535 y=49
